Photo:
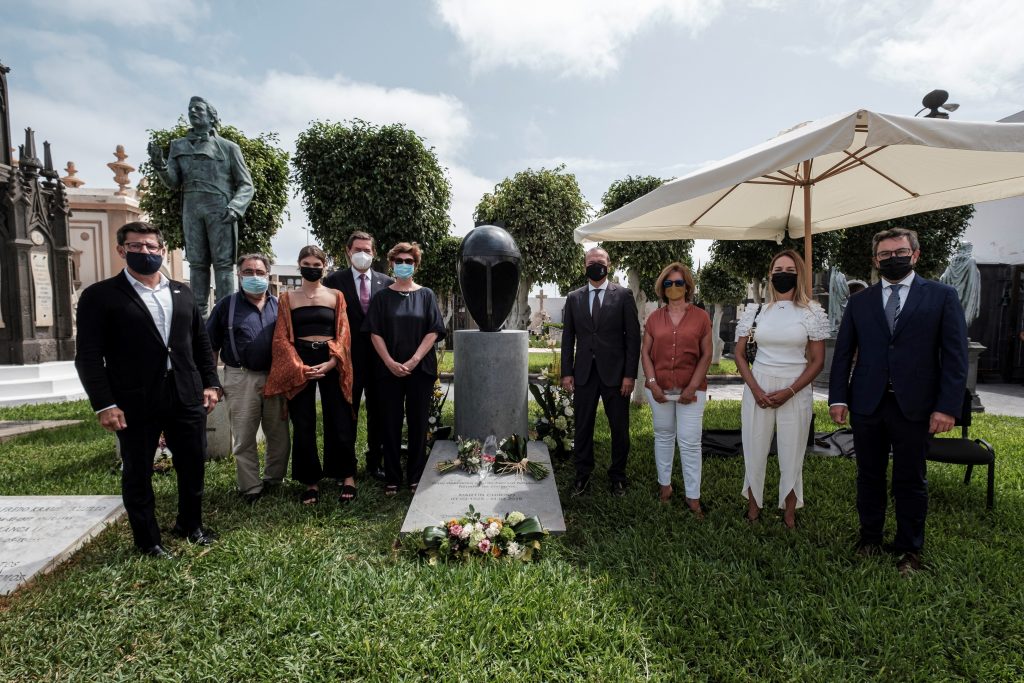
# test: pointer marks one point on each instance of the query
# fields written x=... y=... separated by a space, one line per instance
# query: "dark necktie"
x=892 y=307
x=595 y=310
x=364 y=293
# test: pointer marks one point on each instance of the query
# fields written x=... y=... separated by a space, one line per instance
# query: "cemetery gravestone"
x=443 y=496
x=37 y=533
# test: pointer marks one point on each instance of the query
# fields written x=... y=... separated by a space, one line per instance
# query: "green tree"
x=643 y=261
x=265 y=215
x=540 y=209
x=381 y=179
x=439 y=271
x=749 y=259
x=719 y=287
x=939 y=233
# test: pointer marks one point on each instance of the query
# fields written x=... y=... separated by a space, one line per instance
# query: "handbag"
x=750 y=351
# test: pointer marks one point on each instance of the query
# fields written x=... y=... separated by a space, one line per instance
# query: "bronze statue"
x=216 y=190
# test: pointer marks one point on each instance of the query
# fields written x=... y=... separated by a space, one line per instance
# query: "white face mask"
x=361 y=260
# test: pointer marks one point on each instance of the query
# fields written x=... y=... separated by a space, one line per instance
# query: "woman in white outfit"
x=790 y=332
x=676 y=353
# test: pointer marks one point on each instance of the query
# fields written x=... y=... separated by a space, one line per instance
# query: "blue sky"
x=655 y=87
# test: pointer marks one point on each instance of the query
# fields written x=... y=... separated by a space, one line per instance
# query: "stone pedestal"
x=821 y=381
x=491 y=383
x=974 y=350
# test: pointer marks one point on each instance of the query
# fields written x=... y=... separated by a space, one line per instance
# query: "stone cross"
x=540 y=299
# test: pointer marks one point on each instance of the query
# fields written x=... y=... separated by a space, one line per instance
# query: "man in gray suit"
x=600 y=354
x=216 y=190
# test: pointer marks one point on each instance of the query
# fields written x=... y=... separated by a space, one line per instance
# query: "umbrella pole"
x=808 y=254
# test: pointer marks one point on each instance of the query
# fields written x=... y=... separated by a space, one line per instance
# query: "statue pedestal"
x=491 y=383
x=821 y=381
x=974 y=350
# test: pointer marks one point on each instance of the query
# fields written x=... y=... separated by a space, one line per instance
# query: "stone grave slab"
x=12 y=428
x=443 y=496
x=37 y=533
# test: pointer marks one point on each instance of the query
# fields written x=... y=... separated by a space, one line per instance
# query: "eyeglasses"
x=138 y=247
x=882 y=255
x=258 y=273
x=674 y=283
x=406 y=261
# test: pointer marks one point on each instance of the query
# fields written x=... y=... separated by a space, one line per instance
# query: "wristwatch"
x=651 y=380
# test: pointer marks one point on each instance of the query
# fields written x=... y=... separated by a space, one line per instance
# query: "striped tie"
x=892 y=307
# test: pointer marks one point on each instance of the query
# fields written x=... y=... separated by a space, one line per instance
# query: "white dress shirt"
x=904 y=290
x=355 y=278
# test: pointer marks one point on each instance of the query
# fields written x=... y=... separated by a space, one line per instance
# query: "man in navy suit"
x=360 y=283
x=600 y=353
x=146 y=364
x=906 y=342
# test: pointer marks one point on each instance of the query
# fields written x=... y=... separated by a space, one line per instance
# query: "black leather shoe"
x=251 y=498
x=199 y=536
x=909 y=563
x=378 y=474
x=158 y=552
x=579 y=487
x=618 y=488
x=867 y=549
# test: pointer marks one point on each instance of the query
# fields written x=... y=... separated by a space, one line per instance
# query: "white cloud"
x=182 y=17
x=571 y=37
x=972 y=49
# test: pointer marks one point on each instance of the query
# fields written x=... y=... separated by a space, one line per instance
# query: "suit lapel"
x=875 y=304
x=914 y=297
x=122 y=282
x=181 y=311
x=377 y=282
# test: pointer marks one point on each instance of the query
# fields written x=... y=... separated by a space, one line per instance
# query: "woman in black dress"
x=404 y=324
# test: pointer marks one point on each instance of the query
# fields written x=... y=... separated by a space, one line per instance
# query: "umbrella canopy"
x=834 y=173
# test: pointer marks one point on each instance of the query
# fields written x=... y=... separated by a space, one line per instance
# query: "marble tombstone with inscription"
x=36 y=322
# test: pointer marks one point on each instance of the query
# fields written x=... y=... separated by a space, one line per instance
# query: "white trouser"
x=789 y=423
x=248 y=410
x=678 y=422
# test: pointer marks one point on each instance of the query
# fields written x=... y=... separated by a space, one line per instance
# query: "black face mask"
x=783 y=282
x=597 y=271
x=143 y=264
x=311 y=273
x=895 y=268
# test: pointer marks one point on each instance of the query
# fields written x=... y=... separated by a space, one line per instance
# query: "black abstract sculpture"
x=489 y=275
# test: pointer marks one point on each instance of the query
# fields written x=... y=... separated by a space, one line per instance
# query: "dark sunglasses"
x=674 y=283
x=406 y=261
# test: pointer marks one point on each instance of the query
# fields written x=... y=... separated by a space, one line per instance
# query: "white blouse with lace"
x=783 y=330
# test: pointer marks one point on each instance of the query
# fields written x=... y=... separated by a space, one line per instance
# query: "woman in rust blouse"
x=676 y=354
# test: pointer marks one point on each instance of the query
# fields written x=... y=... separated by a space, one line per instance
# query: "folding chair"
x=966 y=451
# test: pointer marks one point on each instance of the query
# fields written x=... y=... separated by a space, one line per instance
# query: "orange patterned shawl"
x=286 y=368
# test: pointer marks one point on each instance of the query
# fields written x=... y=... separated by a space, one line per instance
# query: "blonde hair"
x=675 y=266
x=801 y=297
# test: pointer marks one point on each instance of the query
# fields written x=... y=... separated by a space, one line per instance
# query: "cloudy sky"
x=609 y=88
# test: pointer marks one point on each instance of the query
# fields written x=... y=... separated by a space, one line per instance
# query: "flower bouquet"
x=162 y=459
x=513 y=538
x=470 y=458
x=511 y=459
x=434 y=429
x=556 y=425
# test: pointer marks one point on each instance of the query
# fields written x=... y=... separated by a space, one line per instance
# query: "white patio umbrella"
x=829 y=174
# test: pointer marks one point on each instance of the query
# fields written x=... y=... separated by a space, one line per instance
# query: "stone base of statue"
x=974 y=350
x=821 y=381
x=491 y=383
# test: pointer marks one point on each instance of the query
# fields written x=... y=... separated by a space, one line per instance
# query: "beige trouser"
x=247 y=410
x=789 y=424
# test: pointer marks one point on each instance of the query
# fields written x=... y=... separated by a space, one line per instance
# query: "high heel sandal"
x=309 y=497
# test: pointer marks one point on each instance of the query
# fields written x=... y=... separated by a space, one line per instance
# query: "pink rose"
x=455 y=530
x=485 y=546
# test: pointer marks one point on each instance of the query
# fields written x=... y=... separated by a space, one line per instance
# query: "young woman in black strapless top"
x=312 y=350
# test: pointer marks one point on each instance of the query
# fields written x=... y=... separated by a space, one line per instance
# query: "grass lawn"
x=539 y=361
x=635 y=590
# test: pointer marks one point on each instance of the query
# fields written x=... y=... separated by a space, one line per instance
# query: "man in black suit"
x=906 y=342
x=146 y=364
x=360 y=283
x=600 y=353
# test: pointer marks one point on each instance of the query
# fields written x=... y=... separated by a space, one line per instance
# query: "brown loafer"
x=909 y=563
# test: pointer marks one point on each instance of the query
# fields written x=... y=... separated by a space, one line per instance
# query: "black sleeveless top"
x=313 y=321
